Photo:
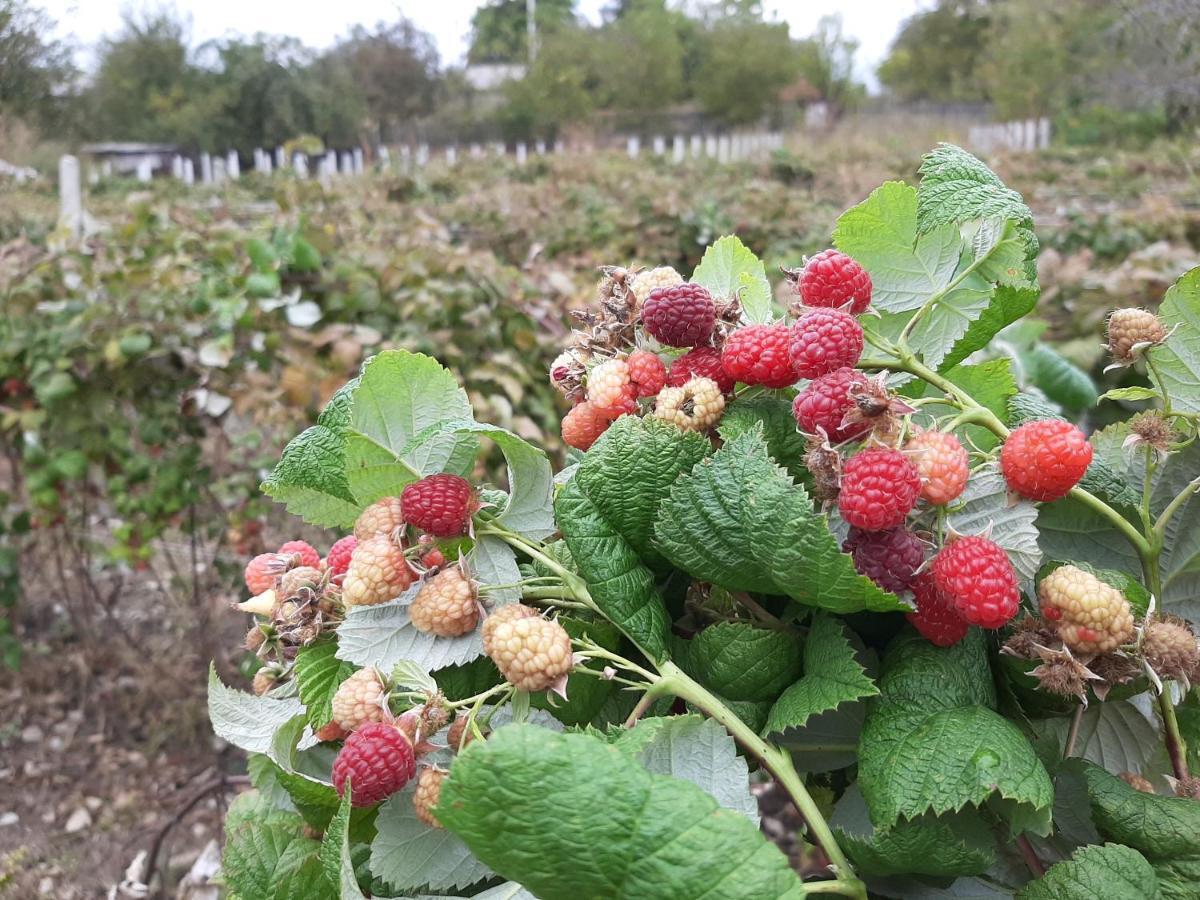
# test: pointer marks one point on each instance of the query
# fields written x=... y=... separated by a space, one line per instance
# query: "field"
x=150 y=376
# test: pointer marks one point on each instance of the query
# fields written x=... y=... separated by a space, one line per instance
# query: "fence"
x=1028 y=134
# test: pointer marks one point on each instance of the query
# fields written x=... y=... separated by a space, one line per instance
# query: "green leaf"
x=608 y=829
x=319 y=673
x=832 y=676
x=1162 y=828
x=932 y=742
x=739 y=521
x=955 y=844
x=396 y=431
x=310 y=479
x=262 y=255
x=740 y=661
x=1114 y=734
x=785 y=444
x=991 y=383
x=1059 y=378
x=729 y=268
x=1109 y=871
x=1177 y=878
x=828 y=740
x=696 y=749
x=619 y=584
x=268 y=857
x=1177 y=359
x=247 y=721
x=1131 y=394
x=335 y=853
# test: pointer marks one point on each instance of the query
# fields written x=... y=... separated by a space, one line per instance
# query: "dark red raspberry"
x=824 y=340
x=824 y=404
x=975 y=575
x=647 y=373
x=683 y=315
x=936 y=618
x=301 y=551
x=758 y=354
x=833 y=279
x=1044 y=460
x=441 y=505
x=338 y=558
x=377 y=759
x=704 y=362
x=889 y=558
x=879 y=489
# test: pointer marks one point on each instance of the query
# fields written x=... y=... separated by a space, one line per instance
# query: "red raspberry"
x=1044 y=460
x=833 y=279
x=942 y=462
x=647 y=372
x=308 y=556
x=976 y=576
x=889 y=558
x=879 y=489
x=441 y=505
x=758 y=354
x=824 y=340
x=377 y=760
x=824 y=404
x=702 y=362
x=338 y=558
x=433 y=559
x=261 y=572
x=583 y=425
x=683 y=315
x=936 y=618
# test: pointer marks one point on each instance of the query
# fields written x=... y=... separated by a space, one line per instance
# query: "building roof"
x=125 y=148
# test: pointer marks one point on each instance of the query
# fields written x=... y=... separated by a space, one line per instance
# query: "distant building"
x=130 y=158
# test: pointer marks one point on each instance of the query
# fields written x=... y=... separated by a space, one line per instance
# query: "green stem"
x=844 y=887
x=1177 y=502
x=1176 y=746
x=775 y=760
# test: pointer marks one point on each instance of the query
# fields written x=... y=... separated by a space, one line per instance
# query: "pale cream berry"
x=293 y=580
x=651 y=280
x=1170 y=650
x=608 y=385
x=381 y=517
x=1091 y=616
x=445 y=605
x=696 y=406
x=531 y=653
x=359 y=699
x=378 y=573
x=1132 y=330
x=510 y=612
x=427 y=794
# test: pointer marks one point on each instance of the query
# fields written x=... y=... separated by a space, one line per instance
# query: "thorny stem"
x=1030 y=856
x=1176 y=747
x=1073 y=734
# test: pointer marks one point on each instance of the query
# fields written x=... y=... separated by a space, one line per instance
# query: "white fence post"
x=189 y=171
x=539 y=147
x=633 y=146
x=70 y=196
x=356 y=157
x=206 y=169
x=280 y=158
x=677 y=149
x=522 y=153
x=145 y=170
x=233 y=165
x=300 y=164
x=660 y=145
x=422 y=154
x=451 y=155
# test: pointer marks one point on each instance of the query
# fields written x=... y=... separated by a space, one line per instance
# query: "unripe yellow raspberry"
x=445 y=605
x=378 y=573
x=532 y=653
x=427 y=794
x=510 y=612
x=1132 y=330
x=1091 y=616
x=608 y=385
x=1170 y=650
x=293 y=580
x=381 y=517
x=697 y=406
x=653 y=279
x=359 y=699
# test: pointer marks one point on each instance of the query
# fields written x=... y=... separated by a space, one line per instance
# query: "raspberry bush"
x=941 y=617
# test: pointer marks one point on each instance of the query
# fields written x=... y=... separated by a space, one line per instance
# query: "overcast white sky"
x=318 y=22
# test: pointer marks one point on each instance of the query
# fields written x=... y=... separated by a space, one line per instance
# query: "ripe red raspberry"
x=683 y=315
x=377 y=760
x=338 y=558
x=441 y=505
x=427 y=794
x=583 y=425
x=302 y=552
x=609 y=389
x=433 y=559
x=976 y=576
x=936 y=618
x=261 y=572
x=1044 y=460
x=942 y=462
x=879 y=489
x=833 y=279
x=823 y=340
x=647 y=372
x=702 y=362
x=824 y=403
x=889 y=558
x=759 y=354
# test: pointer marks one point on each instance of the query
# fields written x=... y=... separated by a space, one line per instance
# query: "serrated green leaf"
x=310 y=479
x=1177 y=878
x=932 y=742
x=469 y=679
x=335 y=853
x=1177 y=359
x=832 y=677
x=609 y=829
x=990 y=383
x=785 y=444
x=740 y=661
x=1109 y=871
x=1114 y=734
x=828 y=740
x=270 y=858
x=738 y=521
x=1162 y=828
x=1131 y=394
x=730 y=268
x=696 y=749
x=955 y=844
x=245 y=720
x=1007 y=304
x=319 y=673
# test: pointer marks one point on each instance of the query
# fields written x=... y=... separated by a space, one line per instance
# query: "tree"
x=641 y=69
x=826 y=62
x=499 y=29
x=33 y=68
x=935 y=55
x=743 y=64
